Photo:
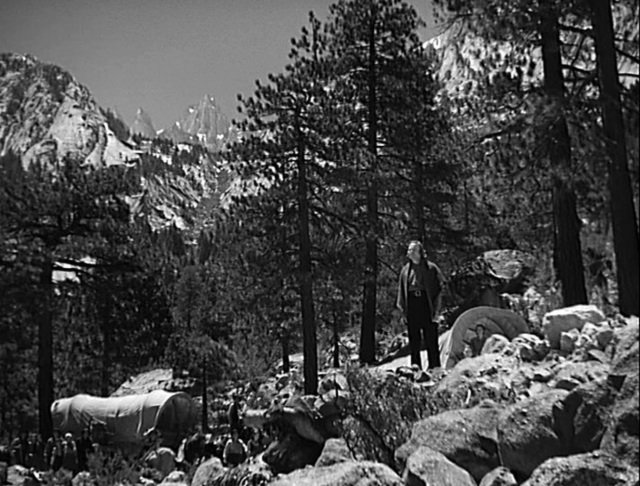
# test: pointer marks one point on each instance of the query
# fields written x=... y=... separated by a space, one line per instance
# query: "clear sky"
x=163 y=55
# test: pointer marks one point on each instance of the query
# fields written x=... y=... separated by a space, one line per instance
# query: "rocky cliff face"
x=46 y=115
x=202 y=123
x=465 y=58
x=142 y=124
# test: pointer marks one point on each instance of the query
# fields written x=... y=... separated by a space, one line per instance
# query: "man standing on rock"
x=419 y=295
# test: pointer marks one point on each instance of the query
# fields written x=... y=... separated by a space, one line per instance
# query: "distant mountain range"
x=46 y=115
x=201 y=123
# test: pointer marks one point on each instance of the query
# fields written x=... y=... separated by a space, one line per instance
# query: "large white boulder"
x=562 y=320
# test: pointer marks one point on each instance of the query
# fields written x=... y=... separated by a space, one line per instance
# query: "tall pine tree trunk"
x=205 y=401
x=567 y=249
x=284 y=329
x=105 y=370
x=309 y=345
x=418 y=181
x=625 y=228
x=368 y=326
x=286 y=364
x=45 y=350
x=336 y=341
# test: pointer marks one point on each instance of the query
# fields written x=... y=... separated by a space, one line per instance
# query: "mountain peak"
x=203 y=123
x=142 y=124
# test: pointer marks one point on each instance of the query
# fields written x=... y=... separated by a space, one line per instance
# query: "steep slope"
x=181 y=185
x=465 y=58
x=142 y=125
x=46 y=115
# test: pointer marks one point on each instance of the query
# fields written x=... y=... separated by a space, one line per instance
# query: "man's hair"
x=423 y=252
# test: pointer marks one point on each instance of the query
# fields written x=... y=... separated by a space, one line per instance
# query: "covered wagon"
x=127 y=419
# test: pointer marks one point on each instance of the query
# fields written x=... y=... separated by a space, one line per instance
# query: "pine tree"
x=374 y=46
x=51 y=217
x=518 y=24
x=281 y=146
x=625 y=226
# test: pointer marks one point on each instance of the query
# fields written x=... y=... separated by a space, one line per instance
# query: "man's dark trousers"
x=420 y=325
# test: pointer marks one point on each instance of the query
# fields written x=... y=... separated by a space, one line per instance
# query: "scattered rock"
x=176 y=477
x=604 y=336
x=334 y=451
x=561 y=320
x=527 y=435
x=351 y=473
x=426 y=466
x=625 y=358
x=466 y=437
x=333 y=379
x=253 y=471
x=570 y=374
x=622 y=437
x=530 y=347
x=208 y=471
x=500 y=476
x=162 y=460
x=581 y=417
x=496 y=343
x=569 y=340
x=413 y=373
x=291 y=452
x=590 y=469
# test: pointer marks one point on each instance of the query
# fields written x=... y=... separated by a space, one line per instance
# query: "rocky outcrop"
x=520 y=411
x=46 y=115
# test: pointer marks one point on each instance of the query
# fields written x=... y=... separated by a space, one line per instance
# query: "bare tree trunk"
x=205 y=402
x=625 y=228
x=369 y=304
x=567 y=249
x=45 y=351
x=309 y=344
x=106 y=357
x=418 y=180
x=286 y=364
x=336 y=342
